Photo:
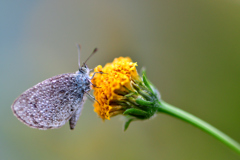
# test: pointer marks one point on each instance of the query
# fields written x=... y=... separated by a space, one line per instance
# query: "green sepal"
x=126 y=124
x=143 y=71
x=144 y=103
x=145 y=95
x=147 y=83
x=150 y=86
x=130 y=94
x=134 y=111
x=137 y=113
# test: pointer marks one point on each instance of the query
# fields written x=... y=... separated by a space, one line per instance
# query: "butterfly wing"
x=51 y=103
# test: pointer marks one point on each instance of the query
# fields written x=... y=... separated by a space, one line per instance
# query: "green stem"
x=176 y=112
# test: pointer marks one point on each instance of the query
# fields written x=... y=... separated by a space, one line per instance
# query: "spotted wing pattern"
x=51 y=103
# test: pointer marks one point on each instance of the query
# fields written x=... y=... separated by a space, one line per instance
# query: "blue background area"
x=190 y=49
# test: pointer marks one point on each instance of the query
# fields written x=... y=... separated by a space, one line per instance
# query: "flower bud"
x=122 y=91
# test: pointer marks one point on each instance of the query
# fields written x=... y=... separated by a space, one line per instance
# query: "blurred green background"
x=191 y=50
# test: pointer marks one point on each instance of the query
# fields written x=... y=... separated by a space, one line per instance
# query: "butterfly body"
x=54 y=101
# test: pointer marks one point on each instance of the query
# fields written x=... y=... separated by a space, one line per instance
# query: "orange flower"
x=113 y=85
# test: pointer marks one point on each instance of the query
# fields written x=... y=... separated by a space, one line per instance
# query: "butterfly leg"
x=93 y=77
x=93 y=84
x=92 y=97
x=95 y=73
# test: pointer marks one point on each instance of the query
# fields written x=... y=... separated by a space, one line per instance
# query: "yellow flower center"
x=117 y=77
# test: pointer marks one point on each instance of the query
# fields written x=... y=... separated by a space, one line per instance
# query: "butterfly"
x=54 y=101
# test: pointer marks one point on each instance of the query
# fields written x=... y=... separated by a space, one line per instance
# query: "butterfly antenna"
x=79 y=53
x=94 y=51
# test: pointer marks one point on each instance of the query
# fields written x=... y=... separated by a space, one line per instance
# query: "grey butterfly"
x=54 y=101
